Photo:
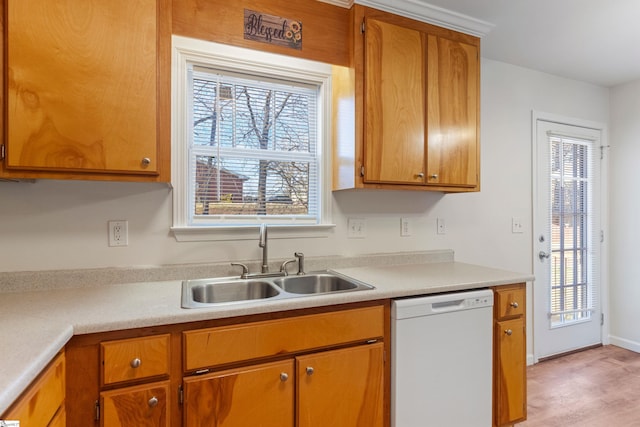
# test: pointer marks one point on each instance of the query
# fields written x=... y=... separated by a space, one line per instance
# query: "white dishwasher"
x=441 y=363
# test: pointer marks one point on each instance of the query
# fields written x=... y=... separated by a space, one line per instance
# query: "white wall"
x=63 y=225
x=624 y=216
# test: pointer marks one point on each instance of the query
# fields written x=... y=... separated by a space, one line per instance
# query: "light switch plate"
x=516 y=225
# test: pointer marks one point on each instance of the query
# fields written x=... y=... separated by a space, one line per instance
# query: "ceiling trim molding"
x=435 y=15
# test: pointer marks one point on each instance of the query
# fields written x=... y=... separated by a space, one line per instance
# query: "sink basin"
x=222 y=291
x=317 y=283
x=206 y=291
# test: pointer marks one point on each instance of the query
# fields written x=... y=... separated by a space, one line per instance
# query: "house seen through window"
x=253 y=148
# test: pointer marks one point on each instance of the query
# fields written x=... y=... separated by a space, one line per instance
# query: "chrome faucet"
x=262 y=242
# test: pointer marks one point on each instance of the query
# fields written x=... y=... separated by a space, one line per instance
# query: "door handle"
x=543 y=255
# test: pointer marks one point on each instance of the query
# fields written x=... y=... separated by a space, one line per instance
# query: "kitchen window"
x=249 y=142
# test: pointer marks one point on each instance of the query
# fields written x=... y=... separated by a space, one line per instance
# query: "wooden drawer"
x=509 y=301
x=43 y=398
x=143 y=405
x=215 y=346
x=133 y=359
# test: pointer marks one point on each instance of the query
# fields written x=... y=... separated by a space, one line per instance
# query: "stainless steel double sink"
x=200 y=293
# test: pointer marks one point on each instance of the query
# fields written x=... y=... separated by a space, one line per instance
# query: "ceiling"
x=595 y=41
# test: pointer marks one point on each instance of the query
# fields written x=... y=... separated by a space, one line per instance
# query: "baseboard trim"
x=625 y=343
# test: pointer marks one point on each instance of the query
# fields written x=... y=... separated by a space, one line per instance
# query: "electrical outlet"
x=405 y=227
x=441 y=226
x=357 y=228
x=118 y=233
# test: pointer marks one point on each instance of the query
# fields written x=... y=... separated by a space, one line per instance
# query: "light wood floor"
x=599 y=387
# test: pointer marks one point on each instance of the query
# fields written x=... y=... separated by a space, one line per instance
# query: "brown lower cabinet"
x=509 y=355
x=304 y=368
x=43 y=403
x=336 y=387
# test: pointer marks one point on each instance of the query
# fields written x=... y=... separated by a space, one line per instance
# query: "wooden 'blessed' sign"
x=271 y=29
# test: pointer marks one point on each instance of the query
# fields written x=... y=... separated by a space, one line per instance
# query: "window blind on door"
x=573 y=264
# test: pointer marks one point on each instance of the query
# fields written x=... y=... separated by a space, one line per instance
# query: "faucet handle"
x=245 y=269
x=283 y=267
x=300 y=257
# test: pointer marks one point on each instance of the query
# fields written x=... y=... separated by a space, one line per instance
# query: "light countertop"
x=36 y=325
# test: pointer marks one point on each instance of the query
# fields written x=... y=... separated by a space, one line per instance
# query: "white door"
x=567 y=238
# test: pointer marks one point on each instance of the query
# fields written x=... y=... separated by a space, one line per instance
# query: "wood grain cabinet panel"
x=258 y=395
x=509 y=355
x=138 y=406
x=416 y=95
x=342 y=387
x=83 y=88
x=453 y=123
x=135 y=358
x=394 y=103
x=228 y=344
x=43 y=402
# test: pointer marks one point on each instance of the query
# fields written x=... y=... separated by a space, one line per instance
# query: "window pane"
x=254 y=147
x=569 y=230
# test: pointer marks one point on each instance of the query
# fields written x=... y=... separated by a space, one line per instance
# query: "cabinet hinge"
x=362 y=27
x=97 y=408
x=180 y=395
x=362 y=171
x=2 y=151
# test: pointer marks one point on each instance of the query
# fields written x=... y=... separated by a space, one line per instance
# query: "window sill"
x=221 y=233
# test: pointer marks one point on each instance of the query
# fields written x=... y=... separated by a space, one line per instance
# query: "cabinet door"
x=510 y=387
x=453 y=105
x=139 y=406
x=260 y=395
x=82 y=85
x=394 y=100
x=341 y=387
x=44 y=398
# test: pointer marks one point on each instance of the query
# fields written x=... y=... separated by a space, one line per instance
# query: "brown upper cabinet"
x=416 y=107
x=87 y=89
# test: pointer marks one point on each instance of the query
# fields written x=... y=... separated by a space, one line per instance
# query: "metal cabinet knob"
x=420 y=175
x=146 y=162
x=514 y=304
x=153 y=402
x=310 y=370
x=508 y=332
x=135 y=363
x=434 y=176
x=284 y=376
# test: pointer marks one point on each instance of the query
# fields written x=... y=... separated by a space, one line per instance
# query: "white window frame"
x=187 y=52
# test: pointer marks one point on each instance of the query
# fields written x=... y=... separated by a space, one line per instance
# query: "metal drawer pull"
x=135 y=363
x=284 y=376
x=514 y=304
x=153 y=402
x=310 y=370
x=508 y=332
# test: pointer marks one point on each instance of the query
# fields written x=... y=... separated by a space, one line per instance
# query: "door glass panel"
x=570 y=198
